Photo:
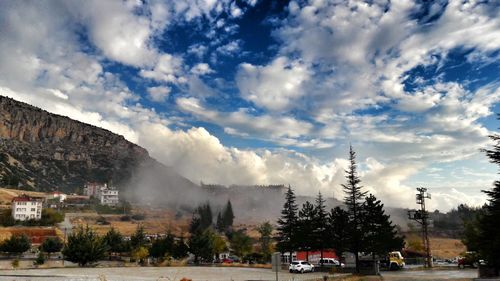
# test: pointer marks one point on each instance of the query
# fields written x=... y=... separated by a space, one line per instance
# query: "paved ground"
x=153 y=273
x=427 y=275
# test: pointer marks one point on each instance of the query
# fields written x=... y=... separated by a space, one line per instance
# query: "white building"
x=108 y=196
x=91 y=188
x=57 y=195
x=25 y=207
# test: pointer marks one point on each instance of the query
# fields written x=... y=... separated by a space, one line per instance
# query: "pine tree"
x=52 y=245
x=338 y=229
x=306 y=228
x=84 y=247
x=219 y=224
x=138 y=239
x=115 y=241
x=353 y=201
x=287 y=224
x=320 y=232
x=489 y=231
x=380 y=235
x=228 y=216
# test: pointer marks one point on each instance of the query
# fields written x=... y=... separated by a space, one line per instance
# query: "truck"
x=393 y=261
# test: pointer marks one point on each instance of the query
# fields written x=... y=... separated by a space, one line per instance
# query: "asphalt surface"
x=154 y=273
x=427 y=275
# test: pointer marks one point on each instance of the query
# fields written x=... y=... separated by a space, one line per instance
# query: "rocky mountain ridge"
x=44 y=151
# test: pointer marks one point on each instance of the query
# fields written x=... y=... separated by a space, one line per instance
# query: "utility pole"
x=422 y=217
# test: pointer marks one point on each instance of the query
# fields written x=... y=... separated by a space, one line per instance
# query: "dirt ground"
x=446 y=248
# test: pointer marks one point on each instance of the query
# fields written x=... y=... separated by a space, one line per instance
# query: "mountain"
x=44 y=151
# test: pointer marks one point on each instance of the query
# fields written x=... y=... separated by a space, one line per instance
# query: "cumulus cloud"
x=158 y=94
x=201 y=69
x=275 y=86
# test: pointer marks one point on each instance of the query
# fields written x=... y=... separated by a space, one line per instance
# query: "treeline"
x=209 y=240
x=362 y=226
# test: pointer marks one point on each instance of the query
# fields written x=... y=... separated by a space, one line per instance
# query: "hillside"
x=42 y=151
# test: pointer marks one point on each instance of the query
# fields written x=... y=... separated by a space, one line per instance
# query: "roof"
x=26 y=198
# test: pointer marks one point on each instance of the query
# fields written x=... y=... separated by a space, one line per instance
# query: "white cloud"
x=158 y=94
x=275 y=86
x=167 y=69
x=201 y=69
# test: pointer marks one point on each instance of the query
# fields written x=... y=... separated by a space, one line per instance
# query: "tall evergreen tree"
x=265 y=230
x=320 y=232
x=287 y=224
x=306 y=227
x=219 y=224
x=354 y=200
x=338 y=229
x=115 y=241
x=489 y=231
x=380 y=235
x=84 y=247
x=228 y=216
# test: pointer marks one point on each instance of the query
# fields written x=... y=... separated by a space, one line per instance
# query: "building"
x=108 y=196
x=91 y=188
x=25 y=207
x=56 y=195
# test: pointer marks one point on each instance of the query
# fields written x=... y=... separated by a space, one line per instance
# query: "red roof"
x=26 y=198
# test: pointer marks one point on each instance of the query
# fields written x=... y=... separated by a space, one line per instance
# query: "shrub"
x=125 y=218
x=40 y=259
x=102 y=221
x=138 y=217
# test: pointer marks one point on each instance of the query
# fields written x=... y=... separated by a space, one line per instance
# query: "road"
x=154 y=273
x=427 y=275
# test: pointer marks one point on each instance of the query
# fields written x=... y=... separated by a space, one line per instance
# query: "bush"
x=6 y=218
x=125 y=218
x=85 y=247
x=16 y=244
x=138 y=217
x=102 y=221
x=40 y=259
x=15 y=263
x=52 y=245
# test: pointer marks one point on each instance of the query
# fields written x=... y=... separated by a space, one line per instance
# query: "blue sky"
x=268 y=92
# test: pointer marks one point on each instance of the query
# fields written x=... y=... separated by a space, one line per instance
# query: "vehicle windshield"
x=295 y=262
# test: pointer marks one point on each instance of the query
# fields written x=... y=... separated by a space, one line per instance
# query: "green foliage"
x=52 y=245
x=181 y=249
x=102 y=221
x=15 y=263
x=219 y=244
x=140 y=254
x=85 y=247
x=51 y=217
x=6 y=218
x=287 y=224
x=201 y=245
x=40 y=259
x=241 y=244
x=163 y=246
x=138 y=217
x=489 y=231
x=338 y=229
x=265 y=230
x=138 y=239
x=306 y=227
x=202 y=219
x=16 y=244
x=121 y=208
x=114 y=241
x=320 y=232
x=380 y=235
x=228 y=216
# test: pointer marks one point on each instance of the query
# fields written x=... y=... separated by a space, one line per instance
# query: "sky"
x=274 y=92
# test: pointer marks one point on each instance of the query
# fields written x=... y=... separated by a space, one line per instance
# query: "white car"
x=301 y=266
x=330 y=262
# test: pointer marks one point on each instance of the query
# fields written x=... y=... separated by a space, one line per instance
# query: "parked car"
x=469 y=259
x=301 y=267
x=330 y=262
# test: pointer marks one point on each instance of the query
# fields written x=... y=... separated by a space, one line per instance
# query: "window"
x=33 y=209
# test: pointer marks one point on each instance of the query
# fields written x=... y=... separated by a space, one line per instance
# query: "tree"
x=180 y=249
x=306 y=227
x=52 y=245
x=138 y=239
x=219 y=225
x=380 y=235
x=241 y=244
x=354 y=200
x=51 y=217
x=338 y=224
x=202 y=218
x=287 y=224
x=201 y=245
x=265 y=230
x=219 y=245
x=114 y=241
x=489 y=232
x=84 y=247
x=162 y=247
x=16 y=244
x=140 y=254
x=228 y=216
x=320 y=232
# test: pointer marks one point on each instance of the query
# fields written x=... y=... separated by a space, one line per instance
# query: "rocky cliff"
x=44 y=151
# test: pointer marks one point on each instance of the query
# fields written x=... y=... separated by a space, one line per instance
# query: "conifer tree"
x=320 y=233
x=489 y=231
x=287 y=224
x=338 y=229
x=354 y=200
x=84 y=247
x=306 y=228
x=228 y=216
x=380 y=235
